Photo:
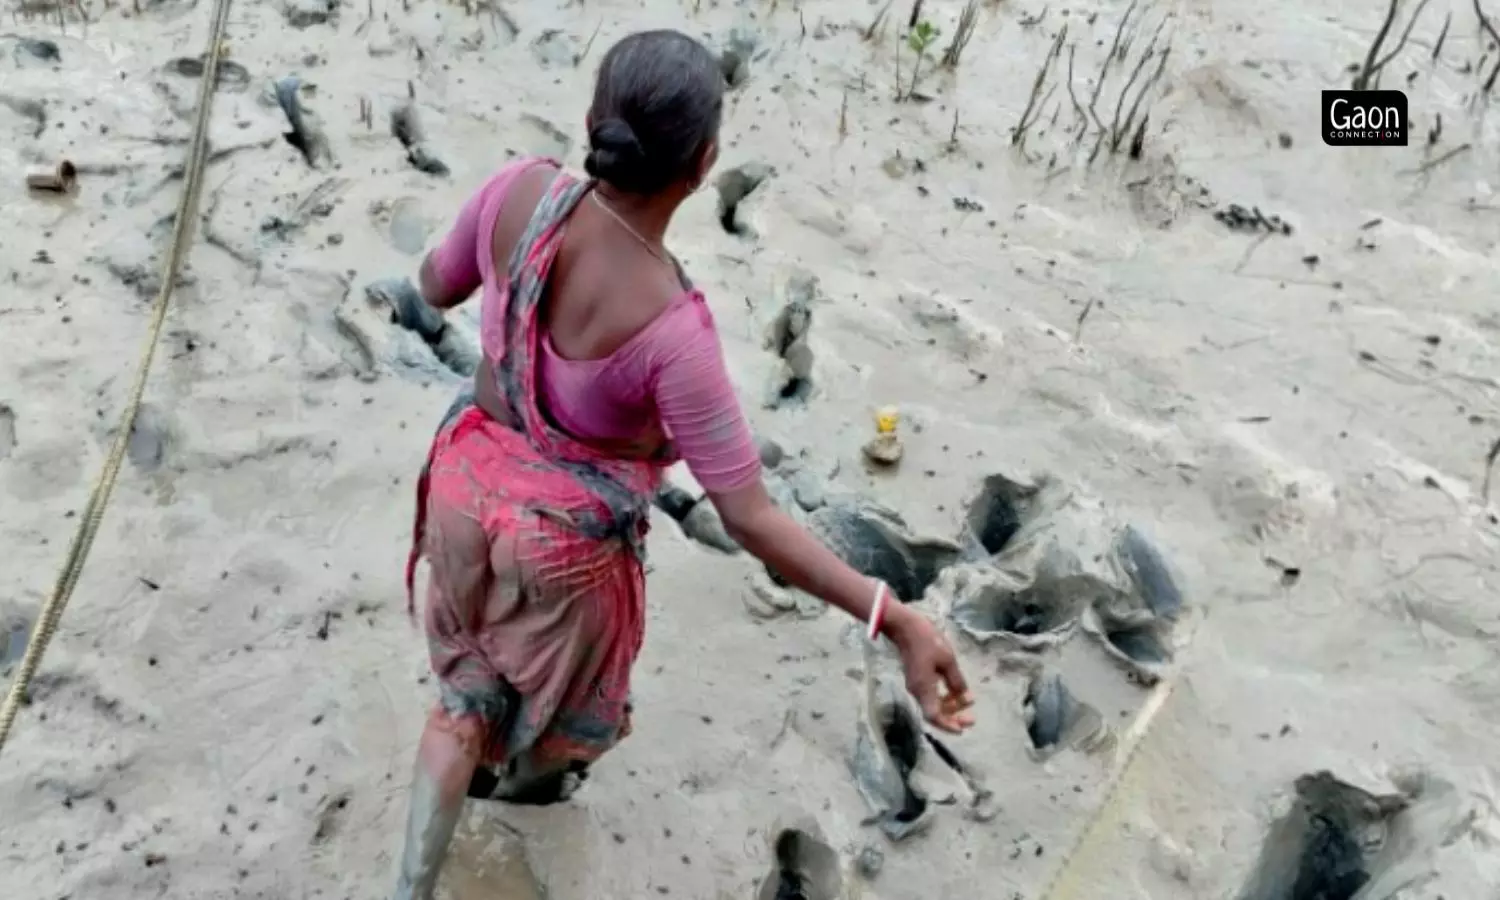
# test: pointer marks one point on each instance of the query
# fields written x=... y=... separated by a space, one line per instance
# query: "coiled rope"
x=88 y=526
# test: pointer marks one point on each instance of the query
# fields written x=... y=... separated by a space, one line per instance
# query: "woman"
x=601 y=366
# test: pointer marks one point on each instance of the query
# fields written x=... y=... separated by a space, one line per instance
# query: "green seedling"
x=920 y=40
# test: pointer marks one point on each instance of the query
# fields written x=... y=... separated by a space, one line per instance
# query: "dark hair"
x=658 y=99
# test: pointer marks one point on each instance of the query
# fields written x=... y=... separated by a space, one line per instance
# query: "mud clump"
x=1056 y=720
x=887 y=751
x=455 y=347
x=878 y=543
x=406 y=127
x=1149 y=573
x=307 y=13
x=1329 y=846
x=787 y=338
x=306 y=132
x=903 y=773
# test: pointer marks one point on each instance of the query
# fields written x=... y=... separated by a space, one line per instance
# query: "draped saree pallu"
x=536 y=594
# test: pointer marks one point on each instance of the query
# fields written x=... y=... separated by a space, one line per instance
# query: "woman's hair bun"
x=658 y=100
x=615 y=154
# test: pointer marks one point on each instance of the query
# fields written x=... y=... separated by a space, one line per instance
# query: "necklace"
x=627 y=226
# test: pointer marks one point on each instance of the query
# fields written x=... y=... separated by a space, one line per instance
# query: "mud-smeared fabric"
x=536 y=596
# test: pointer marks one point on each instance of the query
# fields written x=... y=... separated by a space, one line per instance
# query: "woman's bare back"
x=605 y=285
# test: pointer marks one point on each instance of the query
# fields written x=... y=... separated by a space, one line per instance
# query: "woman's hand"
x=932 y=674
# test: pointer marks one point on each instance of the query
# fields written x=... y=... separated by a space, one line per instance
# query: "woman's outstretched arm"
x=698 y=406
x=932 y=673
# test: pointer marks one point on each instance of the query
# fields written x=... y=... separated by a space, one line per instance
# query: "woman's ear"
x=709 y=160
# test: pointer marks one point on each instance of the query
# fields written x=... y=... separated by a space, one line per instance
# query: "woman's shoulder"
x=524 y=168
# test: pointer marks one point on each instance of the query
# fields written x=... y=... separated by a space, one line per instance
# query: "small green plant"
x=920 y=39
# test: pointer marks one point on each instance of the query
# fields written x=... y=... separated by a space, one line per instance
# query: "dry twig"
x=962 y=34
x=874 y=29
x=583 y=54
x=1369 y=73
x=1018 y=137
x=1431 y=164
x=1108 y=58
x=1489 y=469
x=1083 y=117
x=1121 y=131
x=1484 y=22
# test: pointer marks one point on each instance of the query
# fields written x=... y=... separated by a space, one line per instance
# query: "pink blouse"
x=672 y=369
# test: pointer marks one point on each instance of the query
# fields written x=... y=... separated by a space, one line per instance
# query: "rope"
x=88 y=526
x=1062 y=883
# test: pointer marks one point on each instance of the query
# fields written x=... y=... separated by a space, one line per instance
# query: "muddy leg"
x=446 y=759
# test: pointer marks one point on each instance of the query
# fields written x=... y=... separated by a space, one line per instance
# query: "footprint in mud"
x=997 y=512
x=406 y=126
x=230 y=76
x=943 y=321
x=994 y=606
x=330 y=816
x=488 y=861
x=554 y=49
x=878 y=543
x=403 y=224
x=26 y=50
x=787 y=338
x=902 y=772
x=734 y=61
x=15 y=635
x=1330 y=846
x=7 y=431
x=306 y=132
x=734 y=186
x=34 y=111
x=806 y=868
x=150 y=436
x=1056 y=720
x=1042 y=558
x=540 y=137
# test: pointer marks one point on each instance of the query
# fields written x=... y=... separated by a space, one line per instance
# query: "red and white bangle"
x=877 y=609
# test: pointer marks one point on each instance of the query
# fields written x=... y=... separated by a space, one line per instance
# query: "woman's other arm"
x=450 y=272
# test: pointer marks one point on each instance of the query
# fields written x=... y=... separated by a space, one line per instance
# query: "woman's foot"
x=544 y=790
